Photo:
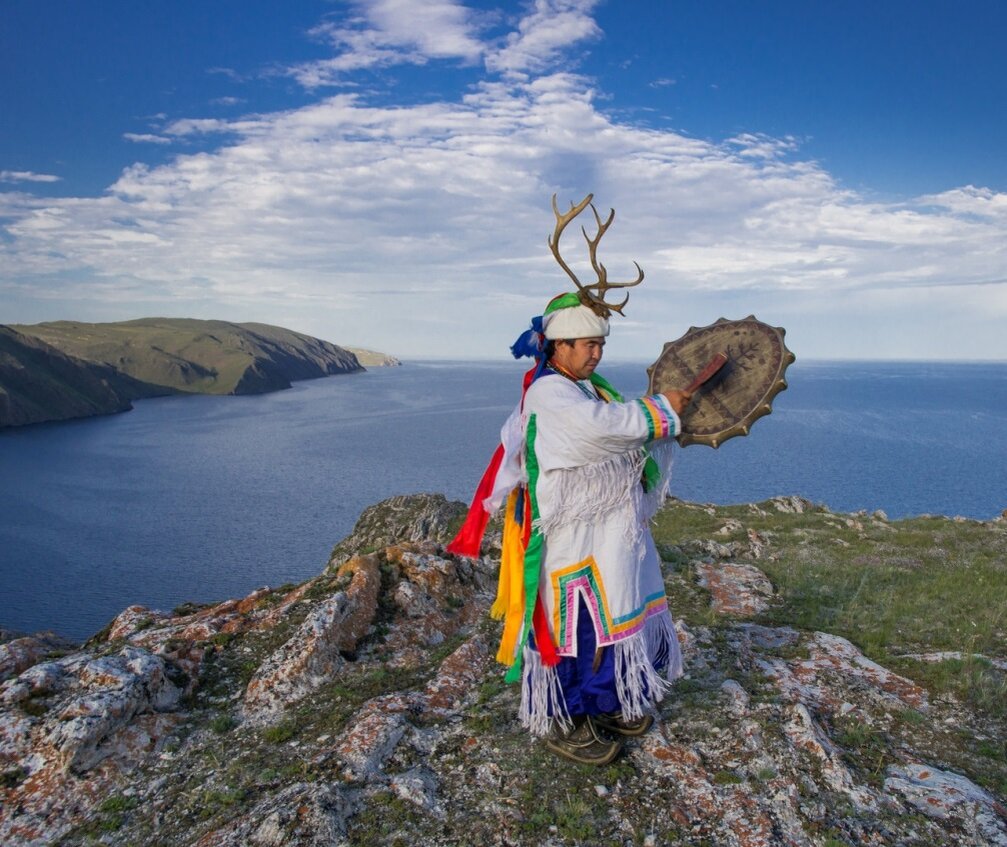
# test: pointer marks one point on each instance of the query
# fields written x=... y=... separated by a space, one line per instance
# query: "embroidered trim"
x=658 y=413
x=584 y=579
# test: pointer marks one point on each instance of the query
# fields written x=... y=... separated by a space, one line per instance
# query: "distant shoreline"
x=65 y=370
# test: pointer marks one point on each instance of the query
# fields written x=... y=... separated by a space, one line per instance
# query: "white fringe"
x=598 y=491
x=638 y=685
x=542 y=700
x=606 y=489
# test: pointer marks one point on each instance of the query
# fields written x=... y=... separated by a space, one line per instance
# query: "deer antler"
x=593 y=295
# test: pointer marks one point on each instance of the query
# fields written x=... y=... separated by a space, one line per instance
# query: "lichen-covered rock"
x=307 y=815
x=738 y=698
x=316 y=651
x=832 y=664
x=792 y=505
x=133 y=619
x=736 y=589
x=19 y=654
x=457 y=677
x=109 y=693
x=731 y=526
x=81 y=703
x=722 y=811
x=373 y=734
x=435 y=596
x=951 y=796
x=75 y=713
x=419 y=787
x=405 y=518
x=377 y=715
x=806 y=734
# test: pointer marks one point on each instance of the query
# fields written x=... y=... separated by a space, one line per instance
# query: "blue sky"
x=379 y=173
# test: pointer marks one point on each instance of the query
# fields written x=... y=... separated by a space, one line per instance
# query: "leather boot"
x=583 y=743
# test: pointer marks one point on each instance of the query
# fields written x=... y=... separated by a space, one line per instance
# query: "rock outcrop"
x=374 y=359
x=364 y=707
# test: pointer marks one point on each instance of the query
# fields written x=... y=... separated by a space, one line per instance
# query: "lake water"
x=204 y=498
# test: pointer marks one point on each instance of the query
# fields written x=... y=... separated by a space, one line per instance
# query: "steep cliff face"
x=40 y=383
x=297 y=356
x=364 y=707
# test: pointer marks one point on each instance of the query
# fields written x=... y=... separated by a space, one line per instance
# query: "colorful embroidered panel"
x=585 y=578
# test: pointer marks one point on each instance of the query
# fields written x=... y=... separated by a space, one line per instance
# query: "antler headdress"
x=593 y=295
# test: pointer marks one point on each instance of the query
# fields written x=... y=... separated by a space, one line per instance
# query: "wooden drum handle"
x=714 y=365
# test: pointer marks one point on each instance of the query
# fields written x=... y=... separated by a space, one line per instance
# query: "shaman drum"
x=739 y=392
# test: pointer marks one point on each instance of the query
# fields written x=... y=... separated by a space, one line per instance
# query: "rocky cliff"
x=63 y=369
x=364 y=707
x=374 y=359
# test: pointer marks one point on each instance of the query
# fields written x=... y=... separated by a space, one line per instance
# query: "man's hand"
x=678 y=399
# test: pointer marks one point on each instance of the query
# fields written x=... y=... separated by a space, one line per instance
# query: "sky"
x=379 y=173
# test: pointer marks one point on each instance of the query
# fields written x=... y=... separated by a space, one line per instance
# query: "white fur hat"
x=567 y=317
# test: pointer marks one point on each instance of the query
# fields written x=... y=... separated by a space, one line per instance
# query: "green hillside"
x=197 y=356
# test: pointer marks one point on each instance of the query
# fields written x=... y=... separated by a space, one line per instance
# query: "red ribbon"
x=470 y=536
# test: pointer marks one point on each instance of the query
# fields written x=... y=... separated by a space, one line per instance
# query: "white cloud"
x=982 y=203
x=760 y=146
x=441 y=29
x=26 y=176
x=392 y=32
x=230 y=73
x=543 y=36
x=146 y=138
x=196 y=126
x=421 y=229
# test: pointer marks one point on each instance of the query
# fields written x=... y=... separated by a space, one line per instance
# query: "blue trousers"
x=586 y=689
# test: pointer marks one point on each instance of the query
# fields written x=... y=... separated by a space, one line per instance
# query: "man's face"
x=580 y=356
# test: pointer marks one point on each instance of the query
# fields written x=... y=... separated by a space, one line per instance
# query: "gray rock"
x=949 y=796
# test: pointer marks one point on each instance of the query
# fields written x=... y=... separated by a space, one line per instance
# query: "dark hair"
x=550 y=346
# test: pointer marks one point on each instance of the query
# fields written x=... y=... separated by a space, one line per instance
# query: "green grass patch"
x=223 y=723
x=910 y=586
x=280 y=732
x=971 y=679
x=110 y=816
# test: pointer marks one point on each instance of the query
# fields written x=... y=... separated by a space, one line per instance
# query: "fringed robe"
x=577 y=529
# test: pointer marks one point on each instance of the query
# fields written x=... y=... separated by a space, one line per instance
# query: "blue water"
x=204 y=498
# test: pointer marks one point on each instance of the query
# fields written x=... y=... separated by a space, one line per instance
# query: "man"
x=587 y=627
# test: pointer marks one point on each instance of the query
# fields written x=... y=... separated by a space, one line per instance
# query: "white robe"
x=583 y=459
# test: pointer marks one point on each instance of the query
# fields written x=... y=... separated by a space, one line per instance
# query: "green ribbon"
x=532 y=554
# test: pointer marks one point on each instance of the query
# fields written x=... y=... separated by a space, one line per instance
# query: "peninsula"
x=68 y=369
